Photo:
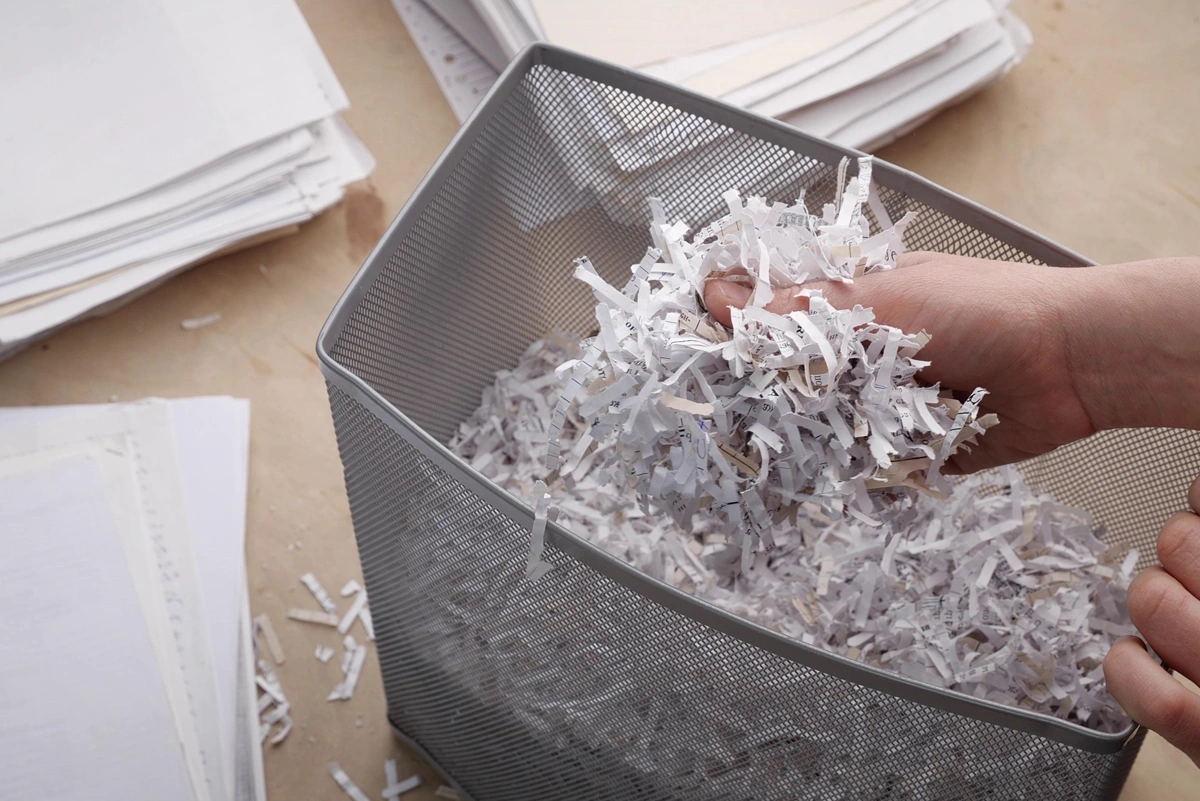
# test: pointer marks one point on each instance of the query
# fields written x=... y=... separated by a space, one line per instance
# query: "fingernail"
x=727 y=293
x=1130 y=638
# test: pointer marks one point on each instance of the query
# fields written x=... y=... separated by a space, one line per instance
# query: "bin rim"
x=539 y=53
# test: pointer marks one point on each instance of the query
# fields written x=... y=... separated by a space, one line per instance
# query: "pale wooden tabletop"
x=1091 y=141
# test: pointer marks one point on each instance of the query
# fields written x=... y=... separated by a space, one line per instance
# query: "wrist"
x=1131 y=334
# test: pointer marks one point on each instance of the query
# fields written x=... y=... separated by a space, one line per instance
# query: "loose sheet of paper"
x=103 y=728
x=463 y=76
x=47 y=44
x=630 y=34
x=804 y=43
x=210 y=439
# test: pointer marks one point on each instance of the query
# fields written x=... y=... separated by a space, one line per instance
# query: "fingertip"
x=720 y=295
x=1151 y=591
x=1122 y=665
x=1194 y=496
x=1178 y=548
x=1151 y=696
x=1131 y=639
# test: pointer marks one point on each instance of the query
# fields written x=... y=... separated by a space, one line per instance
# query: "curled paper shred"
x=273 y=707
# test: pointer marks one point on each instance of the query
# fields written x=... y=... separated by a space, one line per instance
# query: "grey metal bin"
x=597 y=682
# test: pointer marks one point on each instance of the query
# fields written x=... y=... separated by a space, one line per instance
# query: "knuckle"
x=1180 y=532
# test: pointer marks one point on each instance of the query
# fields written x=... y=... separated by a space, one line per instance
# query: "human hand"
x=1164 y=604
x=1062 y=352
x=994 y=325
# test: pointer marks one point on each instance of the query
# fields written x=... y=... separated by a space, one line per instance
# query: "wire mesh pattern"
x=582 y=686
x=577 y=687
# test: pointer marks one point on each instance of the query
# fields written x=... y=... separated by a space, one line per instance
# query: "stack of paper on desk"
x=127 y=662
x=145 y=135
x=859 y=72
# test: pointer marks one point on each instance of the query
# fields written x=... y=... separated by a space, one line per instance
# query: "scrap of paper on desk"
x=122 y=175
x=124 y=528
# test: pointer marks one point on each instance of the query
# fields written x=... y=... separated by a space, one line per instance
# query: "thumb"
x=882 y=291
x=721 y=294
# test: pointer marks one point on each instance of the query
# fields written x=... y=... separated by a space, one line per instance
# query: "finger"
x=1194 y=496
x=1179 y=550
x=1010 y=442
x=1168 y=616
x=786 y=301
x=720 y=295
x=984 y=456
x=897 y=299
x=1152 y=697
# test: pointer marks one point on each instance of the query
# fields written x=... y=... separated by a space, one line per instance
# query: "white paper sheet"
x=212 y=440
x=289 y=191
x=193 y=191
x=887 y=124
x=183 y=98
x=220 y=223
x=681 y=68
x=249 y=783
x=209 y=435
x=913 y=40
x=510 y=28
x=843 y=33
x=465 y=20
x=148 y=134
x=312 y=190
x=872 y=110
x=633 y=33
x=827 y=117
x=463 y=75
x=804 y=68
x=19 y=326
x=86 y=714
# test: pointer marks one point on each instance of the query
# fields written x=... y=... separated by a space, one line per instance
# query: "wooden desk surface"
x=1092 y=141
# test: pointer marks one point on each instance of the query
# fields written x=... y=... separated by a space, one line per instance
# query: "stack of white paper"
x=859 y=72
x=145 y=135
x=127 y=662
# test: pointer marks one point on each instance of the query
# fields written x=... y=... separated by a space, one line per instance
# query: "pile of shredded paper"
x=788 y=469
x=819 y=407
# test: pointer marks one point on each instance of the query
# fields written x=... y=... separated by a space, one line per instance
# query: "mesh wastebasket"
x=597 y=682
